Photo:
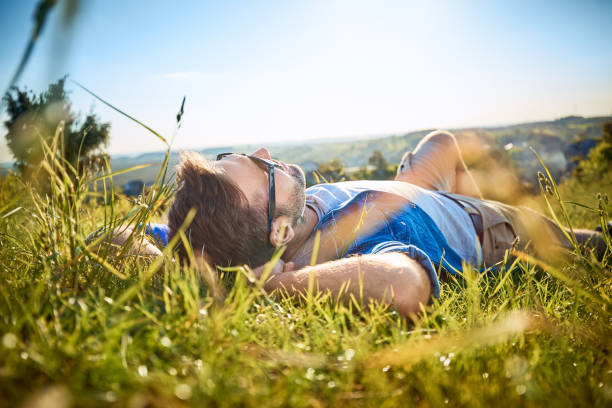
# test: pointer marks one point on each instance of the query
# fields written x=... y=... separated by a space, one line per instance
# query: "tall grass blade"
x=160 y=137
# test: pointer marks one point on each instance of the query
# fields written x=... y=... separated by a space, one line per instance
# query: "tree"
x=382 y=167
x=603 y=151
x=378 y=160
x=34 y=119
x=606 y=134
x=598 y=164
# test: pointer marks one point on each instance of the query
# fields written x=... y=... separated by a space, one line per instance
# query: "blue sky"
x=270 y=71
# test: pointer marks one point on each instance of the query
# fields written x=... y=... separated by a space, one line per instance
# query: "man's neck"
x=302 y=233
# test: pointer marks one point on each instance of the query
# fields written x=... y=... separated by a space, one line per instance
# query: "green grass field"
x=81 y=327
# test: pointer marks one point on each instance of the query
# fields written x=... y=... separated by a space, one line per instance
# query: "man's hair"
x=226 y=230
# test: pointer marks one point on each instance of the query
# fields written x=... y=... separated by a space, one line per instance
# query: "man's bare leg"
x=436 y=164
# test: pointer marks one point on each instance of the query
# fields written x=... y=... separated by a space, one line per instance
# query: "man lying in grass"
x=375 y=240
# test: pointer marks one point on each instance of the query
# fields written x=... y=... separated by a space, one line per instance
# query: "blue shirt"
x=374 y=222
x=450 y=218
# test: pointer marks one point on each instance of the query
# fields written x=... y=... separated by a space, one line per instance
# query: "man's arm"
x=392 y=278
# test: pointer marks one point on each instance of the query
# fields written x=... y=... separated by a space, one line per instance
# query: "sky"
x=281 y=71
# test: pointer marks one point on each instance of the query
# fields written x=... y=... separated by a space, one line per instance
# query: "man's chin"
x=300 y=192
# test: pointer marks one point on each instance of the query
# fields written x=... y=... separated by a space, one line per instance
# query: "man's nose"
x=263 y=153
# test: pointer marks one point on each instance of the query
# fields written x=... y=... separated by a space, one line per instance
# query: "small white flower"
x=143 y=371
x=110 y=396
x=182 y=391
x=9 y=340
x=165 y=341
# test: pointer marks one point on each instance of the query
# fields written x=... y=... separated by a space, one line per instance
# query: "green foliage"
x=38 y=120
x=381 y=167
x=602 y=154
x=334 y=171
x=598 y=164
x=606 y=134
x=367 y=173
x=378 y=160
x=331 y=171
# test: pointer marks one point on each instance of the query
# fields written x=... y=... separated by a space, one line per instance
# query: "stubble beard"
x=296 y=212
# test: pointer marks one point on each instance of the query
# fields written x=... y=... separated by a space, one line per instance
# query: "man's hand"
x=279 y=267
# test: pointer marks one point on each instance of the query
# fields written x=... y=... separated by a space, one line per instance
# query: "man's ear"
x=282 y=231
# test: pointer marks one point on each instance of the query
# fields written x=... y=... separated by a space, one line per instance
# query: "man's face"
x=253 y=181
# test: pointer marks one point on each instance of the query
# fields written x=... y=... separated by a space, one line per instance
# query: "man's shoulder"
x=349 y=189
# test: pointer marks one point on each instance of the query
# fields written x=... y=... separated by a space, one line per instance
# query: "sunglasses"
x=266 y=165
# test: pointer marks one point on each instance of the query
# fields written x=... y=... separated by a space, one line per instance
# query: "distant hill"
x=551 y=139
x=556 y=141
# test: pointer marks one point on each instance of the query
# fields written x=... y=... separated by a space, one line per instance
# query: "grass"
x=81 y=327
